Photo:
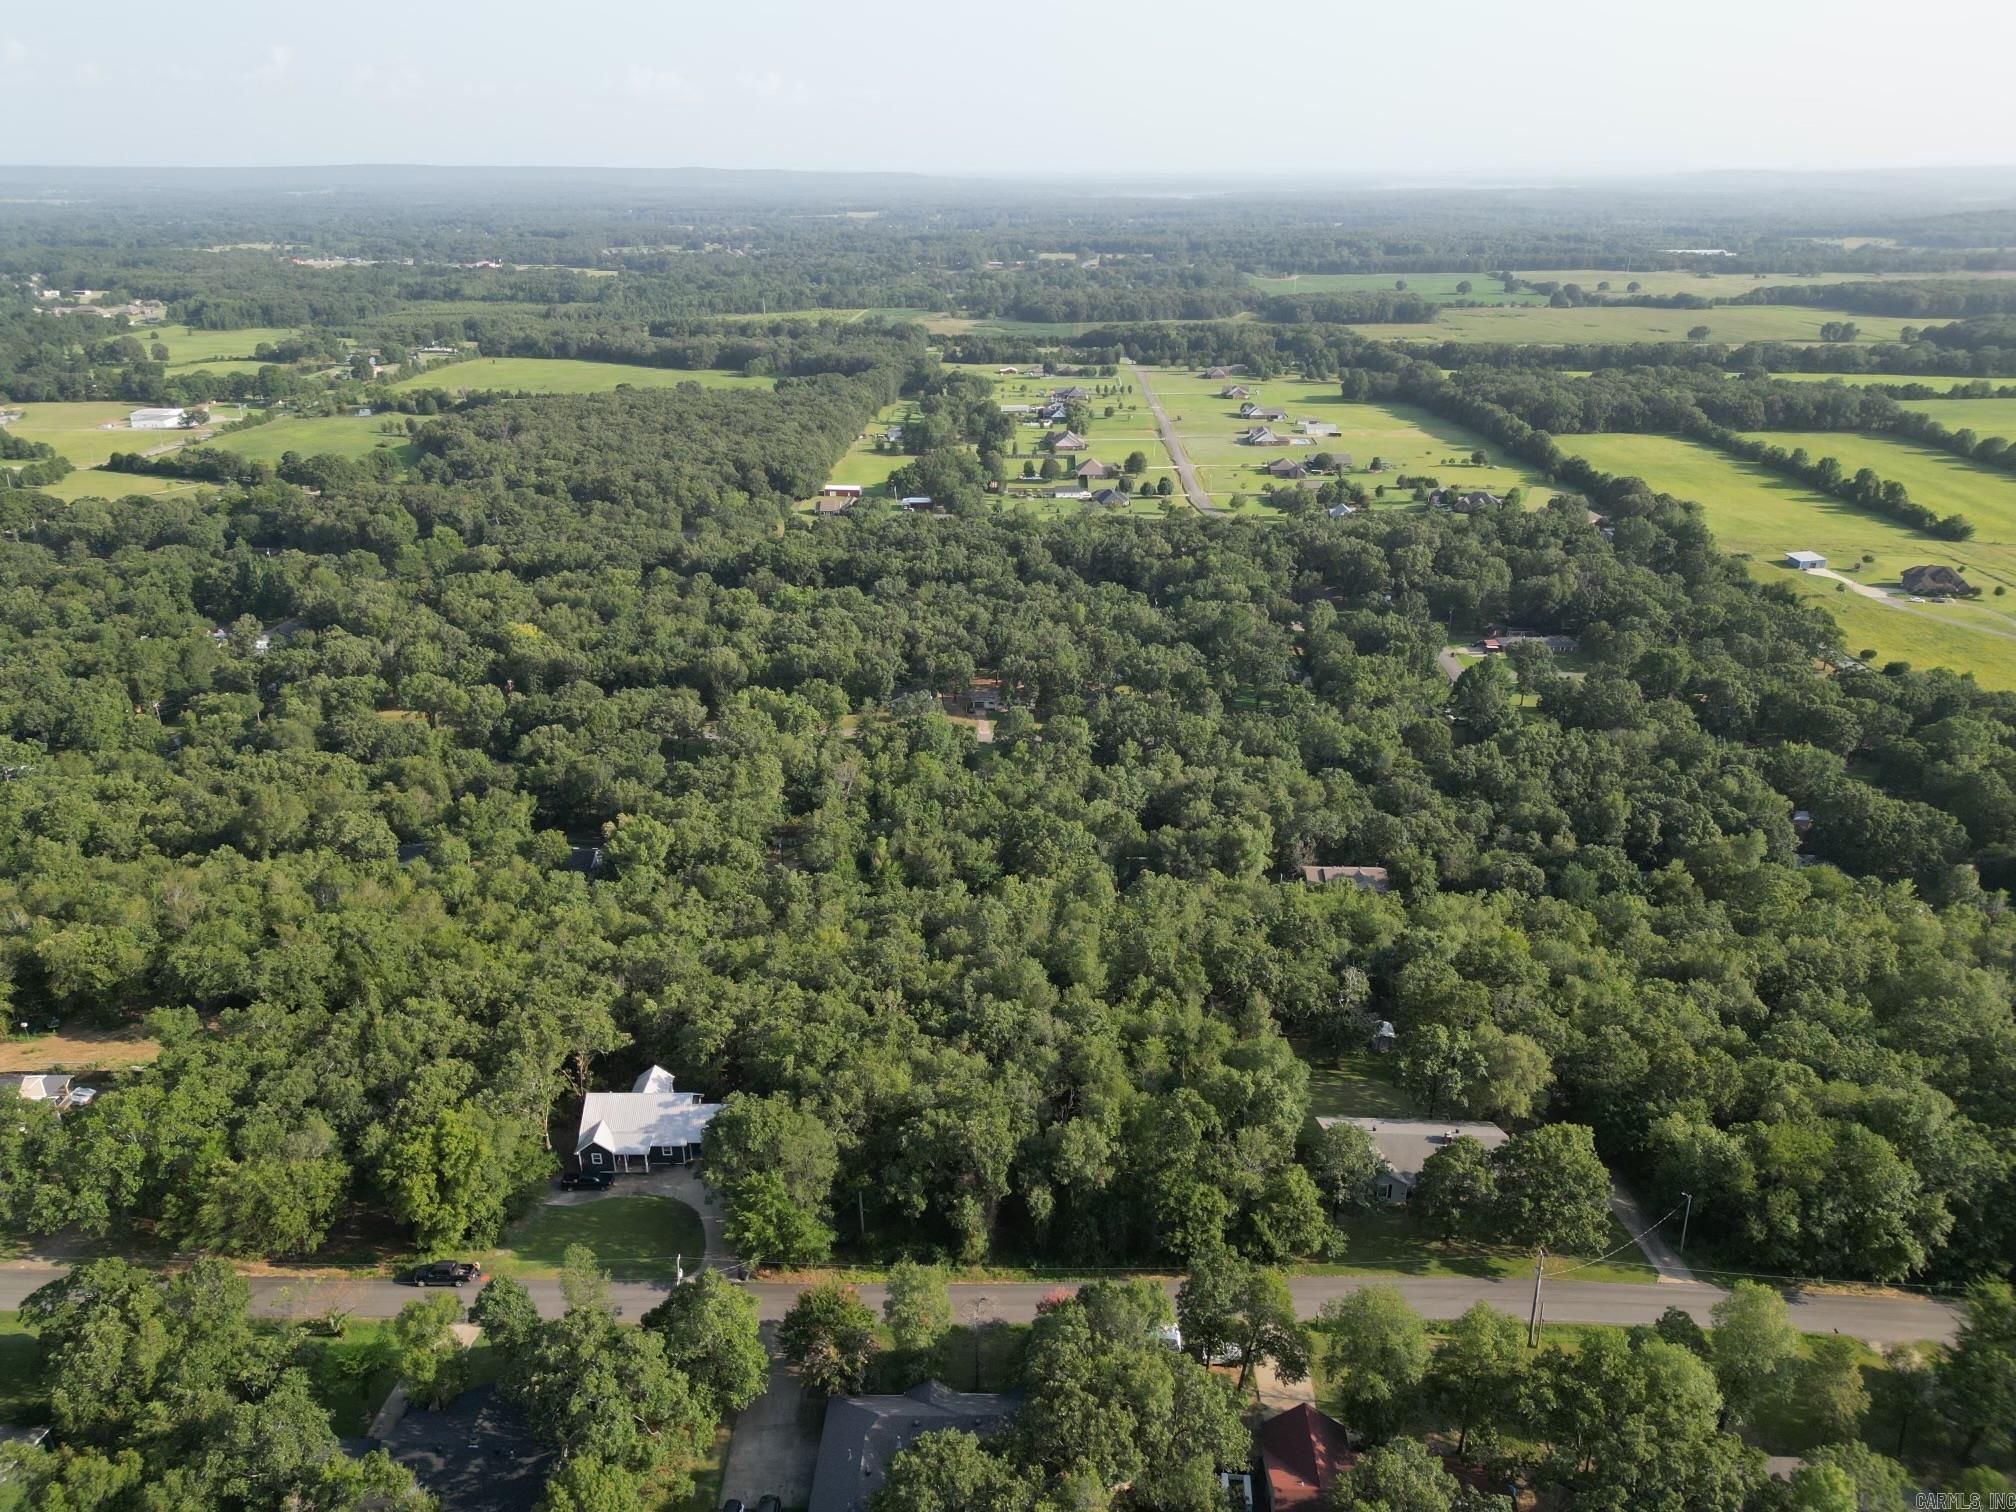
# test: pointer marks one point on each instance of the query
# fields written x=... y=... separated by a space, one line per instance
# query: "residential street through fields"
x=1879 y=1319
x=1193 y=488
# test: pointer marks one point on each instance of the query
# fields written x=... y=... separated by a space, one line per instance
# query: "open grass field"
x=634 y=1238
x=1440 y=287
x=560 y=375
x=80 y=431
x=1937 y=479
x=1541 y=324
x=1985 y=417
x=1762 y=515
x=326 y=435
x=96 y=483
x=76 y=1051
x=1715 y=285
x=216 y=351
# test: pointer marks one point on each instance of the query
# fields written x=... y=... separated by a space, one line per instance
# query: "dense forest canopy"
x=1041 y=992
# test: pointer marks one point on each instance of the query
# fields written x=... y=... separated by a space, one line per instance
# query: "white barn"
x=1806 y=561
x=651 y=1123
x=155 y=419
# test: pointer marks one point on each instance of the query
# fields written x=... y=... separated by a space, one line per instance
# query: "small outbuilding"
x=1805 y=561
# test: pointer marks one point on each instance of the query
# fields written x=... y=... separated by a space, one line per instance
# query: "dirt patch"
x=78 y=1050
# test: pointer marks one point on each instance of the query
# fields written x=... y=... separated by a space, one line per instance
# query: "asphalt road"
x=1185 y=473
x=1879 y=1319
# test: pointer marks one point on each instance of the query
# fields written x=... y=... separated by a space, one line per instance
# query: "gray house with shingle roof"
x=864 y=1433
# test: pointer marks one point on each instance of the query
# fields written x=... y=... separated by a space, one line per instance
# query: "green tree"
x=916 y=1307
x=1828 y=1386
x=711 y=1336
x=765 y=1226
x=828 y=1335
x=1553 y=1190
x=425 y=1351
x=1108 y=1404
x=1400 y=1476
x=586 y=1483
x=1751 y=1343
x=1136 y=463
x=1376 y=1348
x=1977 y=1375
x=506 y=1313
x=951 y=1471
x=758 y=1135
x=1822 y=1488
x=1440 y=1066
x=1456 y=1194
x=1477 y=1375
x=1343 y=1162
x=1232 y=1309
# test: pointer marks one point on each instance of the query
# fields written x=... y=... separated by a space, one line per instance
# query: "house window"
x=596 y=1158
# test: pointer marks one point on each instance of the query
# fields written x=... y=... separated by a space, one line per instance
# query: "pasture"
x=1985 y=417
x=217 y=351
x=1542 y=324
x=1937 y=479
x=563 y=375
x=1760 y=515
x=1713 y=285
x=1440 y=287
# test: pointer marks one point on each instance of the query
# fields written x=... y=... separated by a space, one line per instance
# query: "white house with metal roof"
x=652 y=1123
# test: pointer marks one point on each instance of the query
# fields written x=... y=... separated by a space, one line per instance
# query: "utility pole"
x=1533 y=1323
x=1686 y=1218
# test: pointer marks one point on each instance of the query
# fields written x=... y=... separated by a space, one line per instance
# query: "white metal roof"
x=651 y=1116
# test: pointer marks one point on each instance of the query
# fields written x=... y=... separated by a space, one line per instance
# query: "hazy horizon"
x=1177 y=90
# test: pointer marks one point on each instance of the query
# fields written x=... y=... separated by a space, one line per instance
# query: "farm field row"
x=563 y=375
x=1440 y=287
x=1542 y=324
x=311 y=436
x=216 y=351
x=1937 y=479
x=1760 y=515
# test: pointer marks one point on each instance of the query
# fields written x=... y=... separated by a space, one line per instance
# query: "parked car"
x=82 y=1097
x=734 y=1504
x=445 y=1273
x=770 y=1504
x=586 y=1181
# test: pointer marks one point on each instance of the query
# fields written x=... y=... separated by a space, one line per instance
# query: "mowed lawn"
x=563 y=375
x=1626 y=323
x=86 y=433
x=1985 y=417
x=1760 y=514
x=634 y=1238
x=216 y=351
x=324 y=435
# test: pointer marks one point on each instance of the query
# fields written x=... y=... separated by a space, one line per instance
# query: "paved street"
x=1881 y=1320
x=1193 y=489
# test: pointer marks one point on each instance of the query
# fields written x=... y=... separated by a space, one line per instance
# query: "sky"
x=1430 y=90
